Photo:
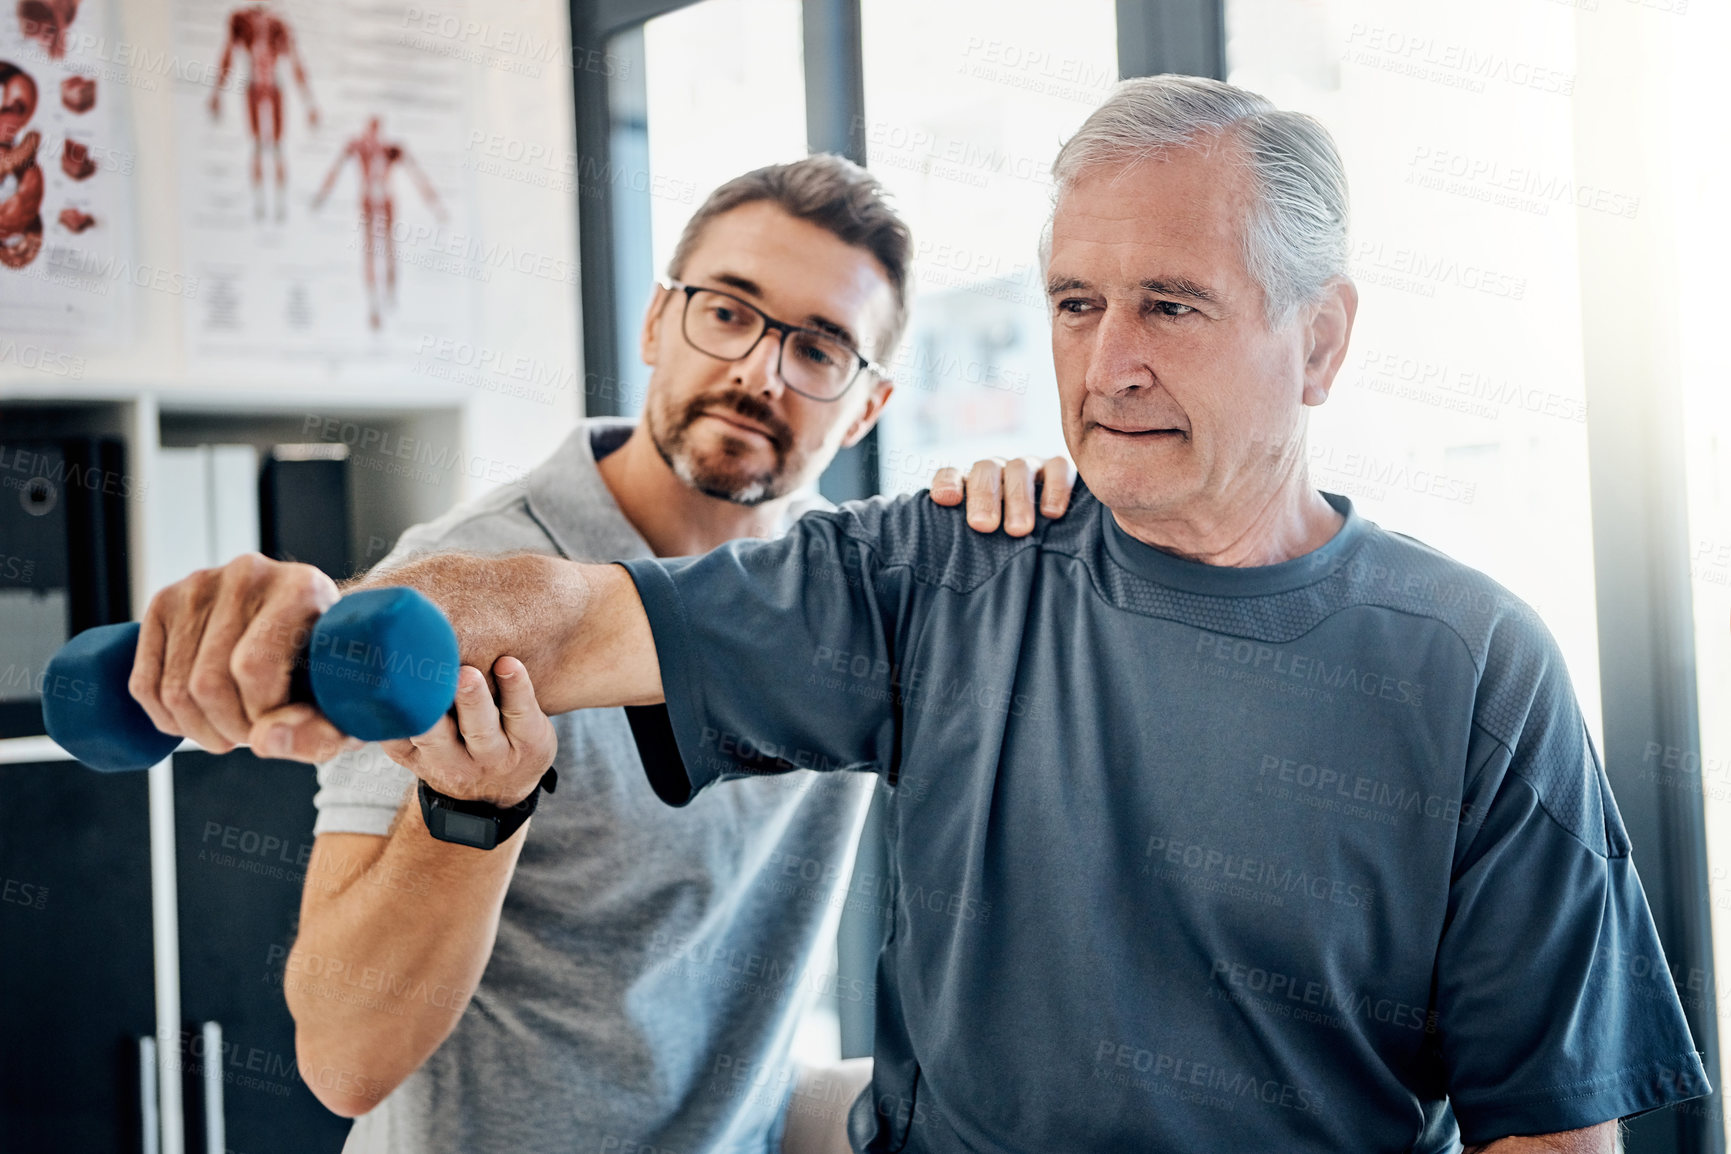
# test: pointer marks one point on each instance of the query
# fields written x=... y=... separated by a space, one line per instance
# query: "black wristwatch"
x=478 y=824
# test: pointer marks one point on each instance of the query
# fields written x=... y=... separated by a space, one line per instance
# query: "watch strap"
x=478 y=824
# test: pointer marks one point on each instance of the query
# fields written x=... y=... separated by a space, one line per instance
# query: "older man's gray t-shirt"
x=651 y=964
x=1316 y=856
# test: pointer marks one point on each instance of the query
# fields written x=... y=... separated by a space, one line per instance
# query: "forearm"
x=391 y=947
x=579 y=629
x=217 y=650
x=1600 y=1139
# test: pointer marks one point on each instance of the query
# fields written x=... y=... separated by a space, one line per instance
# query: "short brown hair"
x=833 y=193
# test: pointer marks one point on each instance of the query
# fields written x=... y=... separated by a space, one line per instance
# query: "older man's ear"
x=1330 y=331
x=1002 y=492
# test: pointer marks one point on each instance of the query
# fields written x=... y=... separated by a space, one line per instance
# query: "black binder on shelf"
x=303 y=507
x=63 y=560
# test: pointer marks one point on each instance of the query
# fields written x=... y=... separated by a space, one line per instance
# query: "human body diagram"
x=376 y=157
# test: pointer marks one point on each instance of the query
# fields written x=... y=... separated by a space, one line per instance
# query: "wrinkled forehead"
x=1192 y=205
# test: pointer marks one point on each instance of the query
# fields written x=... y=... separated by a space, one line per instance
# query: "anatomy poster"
x=66 y=166
x=324 y=206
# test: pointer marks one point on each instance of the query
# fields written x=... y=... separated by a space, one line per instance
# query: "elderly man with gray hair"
x=1221 y=818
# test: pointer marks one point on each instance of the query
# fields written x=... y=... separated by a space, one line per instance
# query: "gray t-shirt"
x=651 y=966
x=1315 y=856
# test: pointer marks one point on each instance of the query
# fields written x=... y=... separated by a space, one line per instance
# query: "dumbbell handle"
x=380 y=664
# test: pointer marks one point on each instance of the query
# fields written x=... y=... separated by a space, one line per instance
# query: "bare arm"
x=395 y=934
x=1600 y=1139
x=395 y=931
x=580 y=629
x=216 y=649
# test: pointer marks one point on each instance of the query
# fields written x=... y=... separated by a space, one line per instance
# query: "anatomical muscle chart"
x=322 y=195
x=66 y=269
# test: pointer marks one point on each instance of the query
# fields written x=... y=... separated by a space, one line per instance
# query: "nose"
x=1119 y=360
x=756 y=370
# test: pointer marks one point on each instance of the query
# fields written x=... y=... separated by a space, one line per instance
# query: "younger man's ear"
x=874 y=408
x=649 y=339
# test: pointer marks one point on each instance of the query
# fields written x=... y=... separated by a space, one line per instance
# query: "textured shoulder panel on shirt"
x=1523 y=698
x=934 y=541
x=1526 y=701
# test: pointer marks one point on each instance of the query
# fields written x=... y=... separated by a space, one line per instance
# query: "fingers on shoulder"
x=1058 y=484
x=948 y=486
x=1019 y=496
x=985 y=494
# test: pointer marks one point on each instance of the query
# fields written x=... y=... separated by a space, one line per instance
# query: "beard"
x=727 y=472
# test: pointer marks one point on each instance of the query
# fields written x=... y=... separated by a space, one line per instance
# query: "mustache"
x=747 y=405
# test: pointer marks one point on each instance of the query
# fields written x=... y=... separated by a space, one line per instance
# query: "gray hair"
x=1296 y=239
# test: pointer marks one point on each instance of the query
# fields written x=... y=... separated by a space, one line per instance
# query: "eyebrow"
x=1159 y=286
x=814 y=320
x=743 y=284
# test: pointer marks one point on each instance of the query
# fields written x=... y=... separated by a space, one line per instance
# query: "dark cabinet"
x=77 y=975
x=78 y=958
x=243 y=834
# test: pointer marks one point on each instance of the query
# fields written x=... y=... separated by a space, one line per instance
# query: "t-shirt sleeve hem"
x=338 y=818
x=359 y=792
x=1632 y=1091
x=658 y=750
x=666 y=763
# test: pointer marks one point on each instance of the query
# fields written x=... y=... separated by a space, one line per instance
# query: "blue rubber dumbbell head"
x=383 y=664
x=87 y=709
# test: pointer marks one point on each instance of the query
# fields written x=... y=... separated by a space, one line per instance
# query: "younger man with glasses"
x=644 y=967
x=725 y=326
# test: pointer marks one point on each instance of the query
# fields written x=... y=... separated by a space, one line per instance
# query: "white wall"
x=518 y=99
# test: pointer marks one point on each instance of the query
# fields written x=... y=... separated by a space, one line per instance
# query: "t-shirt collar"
x=1156 y=565
x=571 y=500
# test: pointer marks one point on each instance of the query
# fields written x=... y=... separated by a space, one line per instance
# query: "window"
x=724 y=93
x=1460 y=415
x=962 y=123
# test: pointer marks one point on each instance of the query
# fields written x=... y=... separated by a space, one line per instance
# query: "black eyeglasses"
x=721 y=325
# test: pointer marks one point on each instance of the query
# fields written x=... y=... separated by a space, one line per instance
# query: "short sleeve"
x=359 y=792
x=1556 y=1007
x=775 y=655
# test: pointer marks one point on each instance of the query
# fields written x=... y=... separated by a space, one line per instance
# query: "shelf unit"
x=165 y=1055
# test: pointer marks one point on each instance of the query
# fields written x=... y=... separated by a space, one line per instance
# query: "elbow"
x=343 y=1105
x=343 y=1086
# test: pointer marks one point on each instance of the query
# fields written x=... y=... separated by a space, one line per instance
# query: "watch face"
x=469 y=830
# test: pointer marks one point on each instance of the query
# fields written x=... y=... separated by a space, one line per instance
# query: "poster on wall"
x=322 y=195
x=66 y=166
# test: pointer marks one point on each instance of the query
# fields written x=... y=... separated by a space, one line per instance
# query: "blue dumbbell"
x=380 y=664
